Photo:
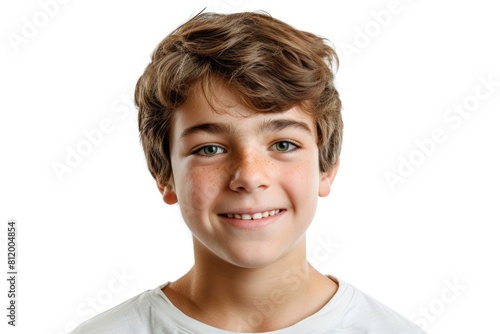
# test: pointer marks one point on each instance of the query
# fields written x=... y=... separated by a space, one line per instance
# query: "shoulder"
x=359 y=310
x=138 y=315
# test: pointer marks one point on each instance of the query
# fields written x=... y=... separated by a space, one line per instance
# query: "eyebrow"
x=274 y=125
x=212 y=128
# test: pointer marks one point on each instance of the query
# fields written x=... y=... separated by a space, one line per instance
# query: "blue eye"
x=284 y=146
x=210 y=150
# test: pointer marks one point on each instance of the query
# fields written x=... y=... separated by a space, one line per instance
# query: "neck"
x=290 y=275
x=251 y=299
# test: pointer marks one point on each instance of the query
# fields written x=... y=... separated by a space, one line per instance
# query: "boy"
x=241 y=126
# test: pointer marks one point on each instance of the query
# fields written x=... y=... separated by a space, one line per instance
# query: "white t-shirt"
x=350 y=311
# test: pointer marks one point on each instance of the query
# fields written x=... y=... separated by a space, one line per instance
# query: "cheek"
x=304 y=174
x=201 y=186
x=302 y=182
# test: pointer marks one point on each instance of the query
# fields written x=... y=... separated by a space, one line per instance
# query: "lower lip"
x=250 y=224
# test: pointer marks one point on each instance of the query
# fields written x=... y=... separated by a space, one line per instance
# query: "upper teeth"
x=258 y=215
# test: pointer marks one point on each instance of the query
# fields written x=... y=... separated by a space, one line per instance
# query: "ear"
x=326 y=180
x=167 y=191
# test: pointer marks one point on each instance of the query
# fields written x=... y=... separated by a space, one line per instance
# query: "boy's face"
x=234 y=164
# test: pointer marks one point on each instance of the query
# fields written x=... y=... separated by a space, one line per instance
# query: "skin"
x=248 y=276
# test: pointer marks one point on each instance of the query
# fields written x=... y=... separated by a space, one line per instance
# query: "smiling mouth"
x=254 y=216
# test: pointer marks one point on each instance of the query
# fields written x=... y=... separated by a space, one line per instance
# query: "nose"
x=250 y=172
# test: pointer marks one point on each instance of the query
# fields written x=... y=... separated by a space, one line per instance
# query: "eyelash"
x=290 y=143
x=295 y=146
x=199 y=150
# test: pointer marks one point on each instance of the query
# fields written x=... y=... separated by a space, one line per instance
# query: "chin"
x=252 y=259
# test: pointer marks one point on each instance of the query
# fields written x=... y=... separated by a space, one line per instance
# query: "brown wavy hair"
x=270 y=65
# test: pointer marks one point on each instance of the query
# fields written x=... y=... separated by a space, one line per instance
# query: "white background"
x=404 y=246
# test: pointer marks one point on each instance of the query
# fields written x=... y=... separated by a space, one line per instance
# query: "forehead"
x=222 y=106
